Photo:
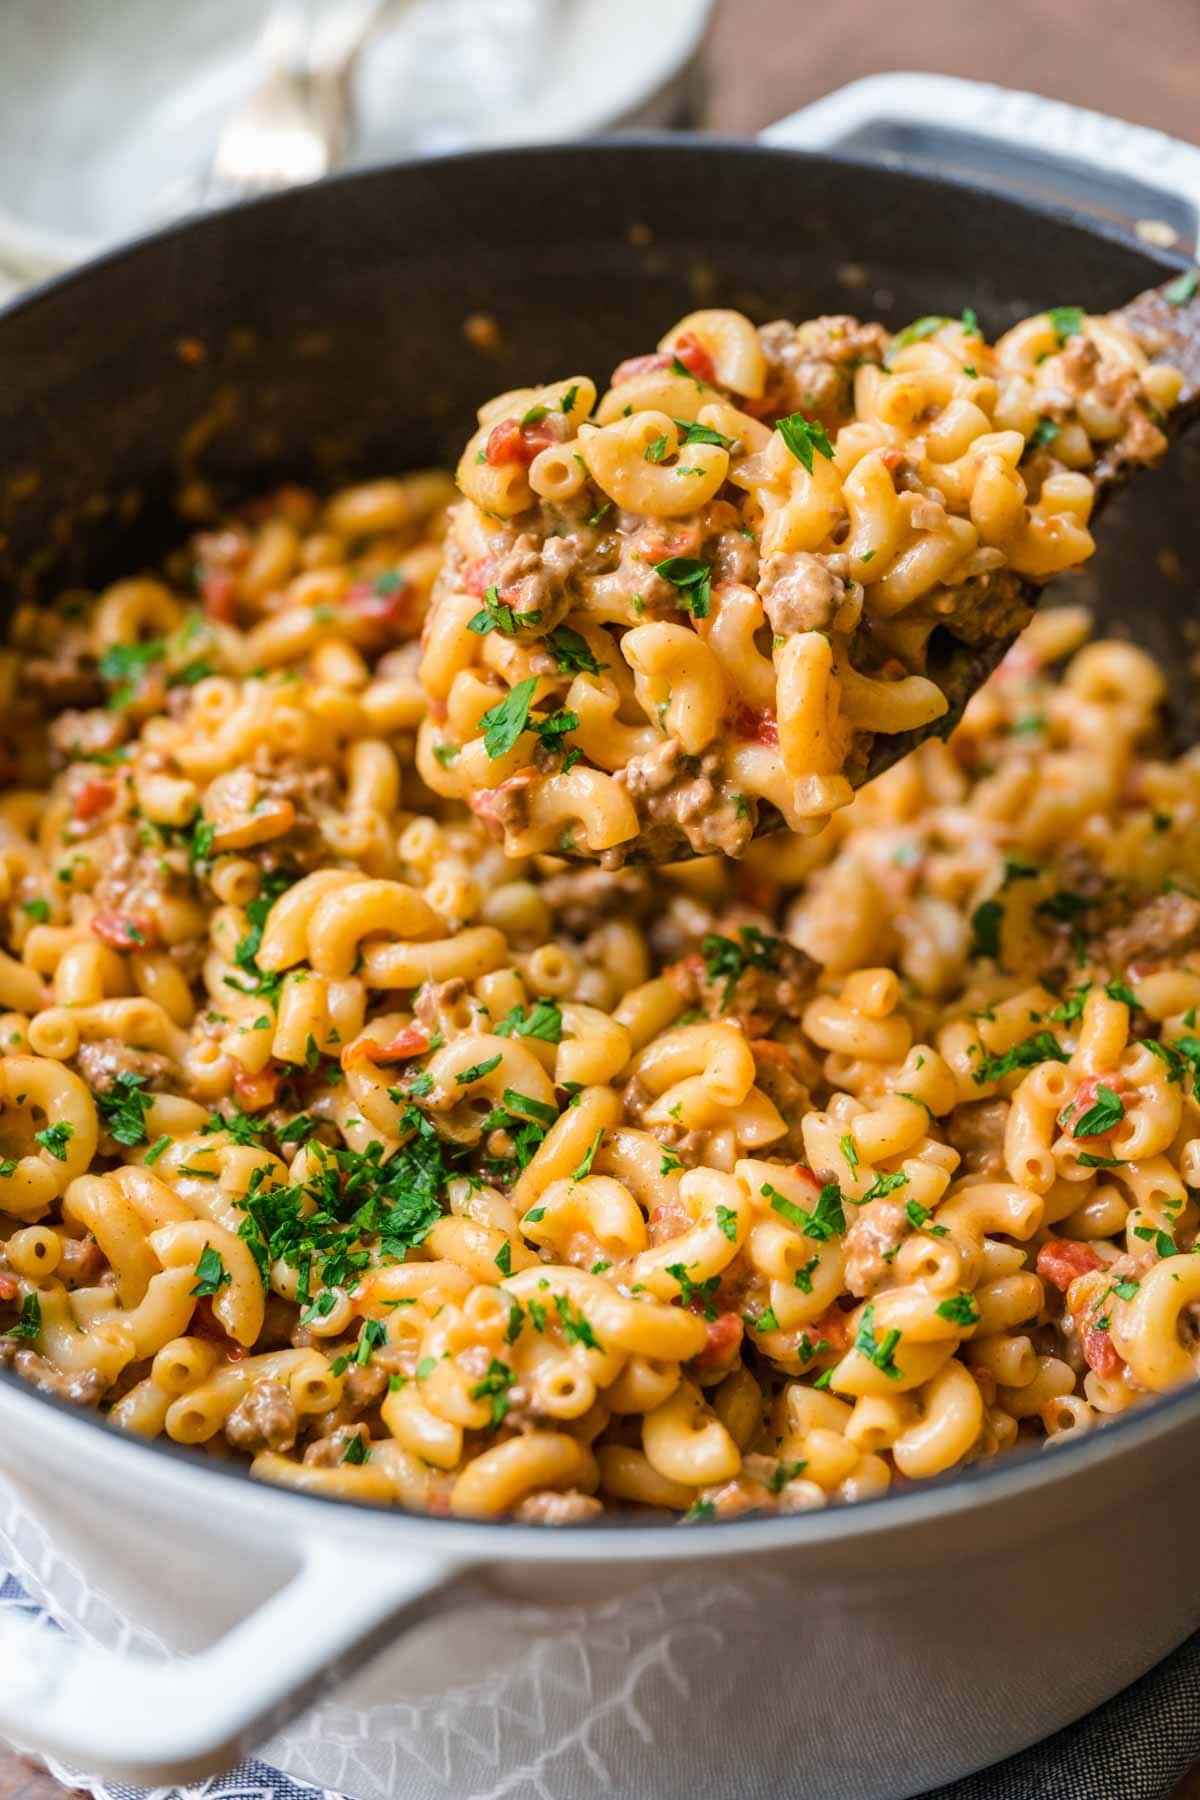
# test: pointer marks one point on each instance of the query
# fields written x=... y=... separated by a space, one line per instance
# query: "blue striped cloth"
x=1135 y=1748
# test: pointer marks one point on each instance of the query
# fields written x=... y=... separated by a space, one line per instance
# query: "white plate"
x=107 y=106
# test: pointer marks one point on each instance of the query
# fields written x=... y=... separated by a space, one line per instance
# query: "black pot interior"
x=331 y=322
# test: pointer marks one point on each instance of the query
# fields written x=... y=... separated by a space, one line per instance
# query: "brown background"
x=767 y=57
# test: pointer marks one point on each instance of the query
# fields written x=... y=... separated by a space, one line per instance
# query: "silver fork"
x=294 y=126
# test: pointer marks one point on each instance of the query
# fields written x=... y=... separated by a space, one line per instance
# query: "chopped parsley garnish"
x=986 y=921
x=960 y=1309
x=29 y=1320
x=766 y=1320
x=1065 y=321
x=504 y=722
x=885 y=1184
x=670 y=1163
x=123 y=667
x=37 y=910
x=1183 y=288
x=274 y=882
x=919 y=1216
x=530 y=1108
x=656 y=451
x=727 y=1222
x=699 y=1509
x=848 y=1151
x=692 y=581
x=690 y=1291
x=156 y=1149
x=692 y=433
x=1125 y=1289
x=575 y=1327
x=503 y=1258
x=880 y=1352
x=1043 y=1046
x=357 y=1450
x=211 y=1273
x=723 y=958
x=826 y=1220
x=1173 y=1055
x=1108 y=1110
x=803 y=1276
x=544 y=1021
x=494 y=1387
x=477 y=1071
x=1044 y=432
x=585 y=1167
x=54 y=1138
x=1070 y=1010
x=495 y=615
x=1163 y=1243
x=124 y=1107
x=570 y=651
x=804 y=436
x=916 y=332
x=782 y=1473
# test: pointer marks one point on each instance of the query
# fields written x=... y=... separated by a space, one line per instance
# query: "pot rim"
x=179 y=1467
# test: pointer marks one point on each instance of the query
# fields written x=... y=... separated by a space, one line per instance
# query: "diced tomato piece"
x=1063 y=1259
x=218 y=596
x=478 y=575
x=759 y=727
x=256 y=1091
x=412 y=1041
x=891 y=460
x=694 y=356
x=725 y=1334
x=486 y=803
x=8 y=1288
x=387 y=611
x=126 y=931
x=512 y=442
x=633 y=366
x=689 y=350
x=204 y=1324
x=834 y=1326
x=1085 y=1098
x=93 y=798
x=768 y=1051
x=1099 y=1351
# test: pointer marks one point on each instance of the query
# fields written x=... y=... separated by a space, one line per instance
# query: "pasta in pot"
x=334 y=1140
x=684 y=613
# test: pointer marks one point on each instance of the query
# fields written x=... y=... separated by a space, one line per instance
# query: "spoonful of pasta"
x=760 y=567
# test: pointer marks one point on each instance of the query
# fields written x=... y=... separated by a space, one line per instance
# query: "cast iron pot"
x=872 y=1651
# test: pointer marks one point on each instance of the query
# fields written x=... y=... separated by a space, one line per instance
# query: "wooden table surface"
x=767 y=57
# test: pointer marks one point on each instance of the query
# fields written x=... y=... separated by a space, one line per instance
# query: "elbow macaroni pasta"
x=335 y=1139
x=682 y=615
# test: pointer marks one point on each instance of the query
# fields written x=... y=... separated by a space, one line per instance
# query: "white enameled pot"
x=866 y=1653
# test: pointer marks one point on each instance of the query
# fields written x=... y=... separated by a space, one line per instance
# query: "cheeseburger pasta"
x=333 y=1142
x=684 y=612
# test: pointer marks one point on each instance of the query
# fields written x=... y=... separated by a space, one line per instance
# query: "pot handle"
x=156 y=1723
x=1128 y=175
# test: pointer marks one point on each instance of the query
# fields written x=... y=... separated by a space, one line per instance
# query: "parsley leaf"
x=725 y=958
x=692 y=581
x=1043 y=1046
x=124 y=1107
x=570 y=651
x=826 y=1220
x=880 y=1353
x=211 y=1273
x=54 y=1138
x=543 y=1021
x=504 y=722
x=29 y=1320
x=802 y=436
x=494 y=1387
x=496 y=615
x=1183 y=288
x=1109 y=1110
x=986 y=921
x=1066 y=321
x=960 y=1309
